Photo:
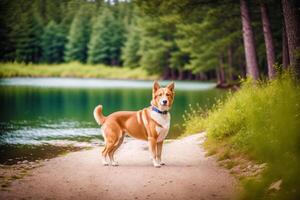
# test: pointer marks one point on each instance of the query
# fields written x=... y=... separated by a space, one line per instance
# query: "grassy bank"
x=261 y=122
x=73 y=69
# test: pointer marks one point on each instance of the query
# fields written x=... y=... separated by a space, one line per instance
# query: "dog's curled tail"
x=99 y=117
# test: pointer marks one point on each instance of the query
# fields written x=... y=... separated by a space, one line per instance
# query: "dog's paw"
x=156 y=164
x=162 y=163
x=104 y=161
x=114 y=163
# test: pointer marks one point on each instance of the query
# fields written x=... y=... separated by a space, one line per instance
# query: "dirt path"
x=80 y=175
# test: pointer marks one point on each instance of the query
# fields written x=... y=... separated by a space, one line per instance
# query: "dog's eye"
x=160 y=94
x=167 y=94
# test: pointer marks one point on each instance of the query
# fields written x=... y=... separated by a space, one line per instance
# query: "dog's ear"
x=171 y=86
x=156 y=86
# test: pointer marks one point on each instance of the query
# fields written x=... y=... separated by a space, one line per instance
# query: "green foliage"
x=79 y=35
x=263 y=121
x=162 y=36
x=53 y=42
x=156 y=44
x=130 y=50
x=73 y=69
x=28 y=31
x=106 y=40
x=194 y=120
x=208 y=41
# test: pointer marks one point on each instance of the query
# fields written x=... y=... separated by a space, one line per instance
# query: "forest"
x=177 y=39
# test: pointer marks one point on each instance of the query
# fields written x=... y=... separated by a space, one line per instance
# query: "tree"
x=156 y=45
x=79 y=35
x=53 y=41
x=106 y=40
x=285 y=48
x=130 y=50
x=8 y=21
x=209 y=40
x=117 y=41
x=29 y=31
x=268 y=41
x=291 y=20
x=249 y=45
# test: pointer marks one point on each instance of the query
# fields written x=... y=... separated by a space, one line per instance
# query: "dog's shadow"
x=146 y=165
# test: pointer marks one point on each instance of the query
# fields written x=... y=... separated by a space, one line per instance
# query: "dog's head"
x=162 y=98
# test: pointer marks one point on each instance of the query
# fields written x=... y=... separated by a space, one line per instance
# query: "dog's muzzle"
x=164 y=102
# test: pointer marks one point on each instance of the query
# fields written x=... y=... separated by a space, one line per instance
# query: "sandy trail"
x=80 y=175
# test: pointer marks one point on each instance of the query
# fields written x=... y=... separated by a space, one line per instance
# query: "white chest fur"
x=164 y=121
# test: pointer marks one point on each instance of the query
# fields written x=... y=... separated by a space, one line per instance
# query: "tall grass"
x=73 y=69
x=262 y=121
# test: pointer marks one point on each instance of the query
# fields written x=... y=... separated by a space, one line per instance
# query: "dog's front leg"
x=159 y=151
x=153 y=150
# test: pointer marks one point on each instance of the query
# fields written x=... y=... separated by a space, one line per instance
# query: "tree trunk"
x=220 y=80
x=222 y=72
x=270 y=51
x=248 y=37
x=166 y=74
x=291 y=19
x=202 y=76
x=190 y=75
x=114 y=62
x=230 y=64
x=181 y=74
x=285 y=48
x=173 y=74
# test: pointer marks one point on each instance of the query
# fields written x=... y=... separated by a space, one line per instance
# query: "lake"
x=38 y=114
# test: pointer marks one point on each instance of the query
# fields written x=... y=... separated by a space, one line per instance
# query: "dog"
x=150 y=124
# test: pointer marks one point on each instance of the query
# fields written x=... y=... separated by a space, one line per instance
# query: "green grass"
x=261 y=121
x=73 y=69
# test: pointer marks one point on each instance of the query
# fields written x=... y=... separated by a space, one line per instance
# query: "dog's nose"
x=165 y=101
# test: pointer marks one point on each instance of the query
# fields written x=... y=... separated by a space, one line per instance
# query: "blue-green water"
x=55 y=111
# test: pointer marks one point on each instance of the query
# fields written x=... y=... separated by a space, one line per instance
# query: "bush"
x=263 y=121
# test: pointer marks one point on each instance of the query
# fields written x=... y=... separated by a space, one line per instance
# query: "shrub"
x=263 y=121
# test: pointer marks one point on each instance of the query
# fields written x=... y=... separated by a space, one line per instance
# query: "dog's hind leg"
x=112 y=152
x=110 y=139
x=104 y=162
x=112 y=134
x=104 y=153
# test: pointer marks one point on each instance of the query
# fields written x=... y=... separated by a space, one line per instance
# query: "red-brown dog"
x=151 y=124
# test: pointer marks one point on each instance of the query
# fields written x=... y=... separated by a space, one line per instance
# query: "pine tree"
x=29 y=31
x=207 y=42
x=117 y=41
x=291 y=19
x=7 y=23
x=106 y=40
x=130 y=54
x=53 y=41
x=100 y=42
x=249 y=44
x=270 y=50
x=79 y=35
x=156 y=45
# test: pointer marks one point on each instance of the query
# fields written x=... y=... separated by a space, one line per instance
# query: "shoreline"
x=73 y=69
